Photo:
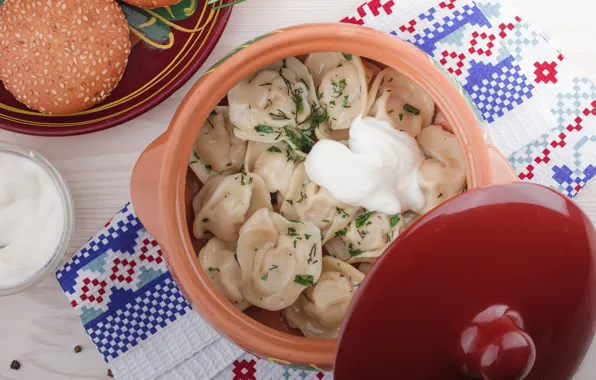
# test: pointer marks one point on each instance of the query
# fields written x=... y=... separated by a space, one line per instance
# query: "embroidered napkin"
x=539 y=109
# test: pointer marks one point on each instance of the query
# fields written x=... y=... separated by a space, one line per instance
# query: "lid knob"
x=494 y=346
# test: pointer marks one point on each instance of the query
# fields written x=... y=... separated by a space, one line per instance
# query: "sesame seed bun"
x=150 y=4
x=61 y=57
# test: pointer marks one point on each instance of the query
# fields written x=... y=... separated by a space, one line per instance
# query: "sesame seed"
x=78 y=75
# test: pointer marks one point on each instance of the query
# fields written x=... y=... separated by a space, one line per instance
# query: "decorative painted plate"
x=169 y=45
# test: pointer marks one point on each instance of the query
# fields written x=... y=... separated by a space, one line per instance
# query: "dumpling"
x=225 y=203
x=342 y=87
x=365 y=267
x=308 y=202
x=218 y=260
x=275 y=105
x=278 y=259
x=275 y=163
x=366 y=238
x=397 y=99
x=217 y=150
x=371 y=70
x=320 y=311
x=443 y=174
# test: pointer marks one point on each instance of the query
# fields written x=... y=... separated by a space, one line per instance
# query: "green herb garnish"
x=347 y=56
x=338 y=88
x=342 y=212
x=292 y=231
x=211 y=269
x=205 y=220
x=394 y=220
x=304 y=279
x=342 y=232
x=345 y=103
x=353 y=252
x=362 y=219
x=274 y=149
x=307 y=236
x=213 y=113
x=411 y=109
x=196 y=157
x=280 y=115
x=265 y=276
x=264 y=128
x=401 y=116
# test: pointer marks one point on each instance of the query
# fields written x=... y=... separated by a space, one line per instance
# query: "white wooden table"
x=39 y=328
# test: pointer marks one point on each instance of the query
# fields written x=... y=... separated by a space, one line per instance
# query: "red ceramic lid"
x=497 y=283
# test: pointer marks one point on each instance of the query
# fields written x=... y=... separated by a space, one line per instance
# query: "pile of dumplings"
x=278 y=241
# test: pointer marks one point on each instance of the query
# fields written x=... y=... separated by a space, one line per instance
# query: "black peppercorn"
x=110 y=374
x=78 y=349
x=15 y=365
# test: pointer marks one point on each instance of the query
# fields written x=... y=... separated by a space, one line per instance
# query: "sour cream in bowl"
x=36 y=218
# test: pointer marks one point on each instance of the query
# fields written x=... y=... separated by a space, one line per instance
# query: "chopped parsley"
x=295 y=243
x=390 y=112
x=195 y=155
x=340 y=65
x=264 y=128
x=292 y=231
x=342 y=232
x=280 y=115
x=345 y=103
x=311 y=254
x=205 y=220
x=353 y=252
x=304 y=279
x=347 y=56
x=274 y=149
x=284 y=63
x=307 y=236
x=401 y=116
x=411 y=109
x=228 y=164
x=338 y=89
x=211 y=269
x=394 y=220
x=342 y=212
x=332 y=102
x=265 y=276
x=465 y=189
x=213 y=113
x=361 y=220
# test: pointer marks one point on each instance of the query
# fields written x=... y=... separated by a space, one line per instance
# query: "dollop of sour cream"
x=378 y=171
x=32 y=219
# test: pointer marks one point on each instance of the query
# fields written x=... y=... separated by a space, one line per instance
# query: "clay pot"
x=161 y=189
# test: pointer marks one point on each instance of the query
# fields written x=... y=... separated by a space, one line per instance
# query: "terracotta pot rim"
x=384 y=48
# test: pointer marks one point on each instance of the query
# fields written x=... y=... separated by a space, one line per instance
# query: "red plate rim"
x=158 y=98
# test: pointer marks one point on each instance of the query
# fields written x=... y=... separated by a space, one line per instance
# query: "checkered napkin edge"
x=539 y=110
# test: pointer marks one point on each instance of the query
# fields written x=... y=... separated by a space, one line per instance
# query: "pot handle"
x=144 y=185
x=502 y=172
